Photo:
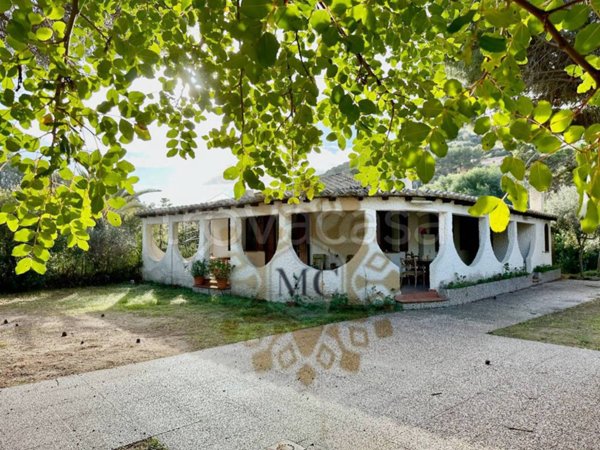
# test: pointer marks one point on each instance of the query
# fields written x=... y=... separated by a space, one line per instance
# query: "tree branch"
x=93 y=25
x=361 y=59
x=302 y=58
x=563 y=43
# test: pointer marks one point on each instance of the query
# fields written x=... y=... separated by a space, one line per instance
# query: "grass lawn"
x=577 y=327
x=60 y=332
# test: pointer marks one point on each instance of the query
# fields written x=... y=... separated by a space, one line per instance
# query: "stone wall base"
x=488 y=290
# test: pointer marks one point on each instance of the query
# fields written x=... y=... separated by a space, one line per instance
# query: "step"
x=431 y=296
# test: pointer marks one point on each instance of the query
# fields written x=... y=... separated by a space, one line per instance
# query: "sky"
x=197 y=180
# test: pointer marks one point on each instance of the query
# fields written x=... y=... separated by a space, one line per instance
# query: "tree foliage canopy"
x=277 y=73
x=477 y=181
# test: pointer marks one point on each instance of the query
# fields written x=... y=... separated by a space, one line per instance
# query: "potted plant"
x=221 y=270
x=199 y=271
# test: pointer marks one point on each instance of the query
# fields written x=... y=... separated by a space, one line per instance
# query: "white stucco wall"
x=370 y=273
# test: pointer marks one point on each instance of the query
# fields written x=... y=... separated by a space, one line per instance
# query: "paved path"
x=415 y=380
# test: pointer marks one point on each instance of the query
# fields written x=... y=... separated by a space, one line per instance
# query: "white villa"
x=345 y=242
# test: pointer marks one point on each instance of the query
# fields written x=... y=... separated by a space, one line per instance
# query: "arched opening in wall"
x=188 y=238
x=500 y=244
x=260 y=235
x=155 y=240
x=219 y=237
x=410 y=239
x=526 y=235
x=402 y=233
x=160 y=236
x=465 y=231
x=393 y=234
x=327 y=240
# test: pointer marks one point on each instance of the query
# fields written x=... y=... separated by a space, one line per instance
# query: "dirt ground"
x=68 y=331
x=36 y=350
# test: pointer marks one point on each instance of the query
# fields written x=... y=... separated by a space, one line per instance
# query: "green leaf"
x=266 y=50
x=496 y=209
x=432 y=108
x=561 y=120
x=590 y=221
x=24 y=235
x=113 y=218
x=492 y=44
x=43 y=33
x=425 y=167
x=488 y=141
x=231 y=173
x=524 y=106
x=337 y=93
x=239 y=189
x=546 y=143
x=41 y=253
x=415 y=131
x=482 y=125
x=38 y=267
x=588 y=39
x=142 y=132
x=460 y=22
x=126 y=129
x=453 y=87
x=573 y=134
x=520 y=129
x=349 y=109
x=499 y=217
x=501 y=17
x=540 y=176
x=21 y=250
x=23 y=266
x=367 y=106
x=116 y=202
x=65 y=173
x=256 y=9
x=320 y=20
x=542 y=112
x=517 y=194
x=576 y=17
x=438 y=144
x=514 y=165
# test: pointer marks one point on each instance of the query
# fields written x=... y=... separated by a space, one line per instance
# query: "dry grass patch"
x=146 y=444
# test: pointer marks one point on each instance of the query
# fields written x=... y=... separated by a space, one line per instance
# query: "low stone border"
x=476 y=292
x=545 y=277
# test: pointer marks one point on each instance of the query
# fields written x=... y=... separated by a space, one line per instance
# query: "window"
x=546 y=238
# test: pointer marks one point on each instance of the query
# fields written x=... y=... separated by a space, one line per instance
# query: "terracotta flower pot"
x=222 y=283
x=198 y=281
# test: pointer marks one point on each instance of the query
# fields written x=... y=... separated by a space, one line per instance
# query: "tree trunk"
x=581 y=261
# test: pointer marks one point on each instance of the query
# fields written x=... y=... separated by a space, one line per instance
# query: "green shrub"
x=220 y=268
x=200 y=268
x=114 y=256
x=462 y=281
